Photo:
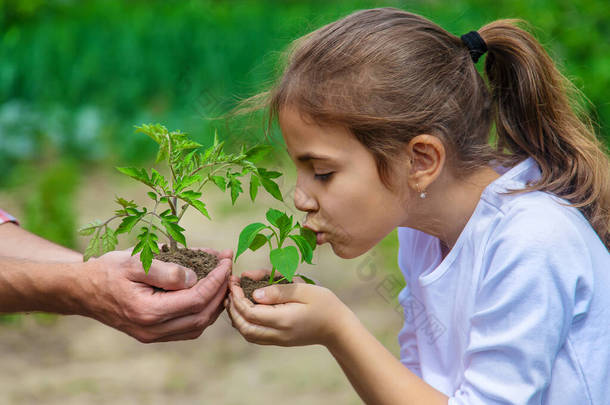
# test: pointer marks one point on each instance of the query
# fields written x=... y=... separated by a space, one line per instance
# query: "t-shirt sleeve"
x=6 y=217
x=537 y=282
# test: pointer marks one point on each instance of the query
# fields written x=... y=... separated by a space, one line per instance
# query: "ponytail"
x=536 y=115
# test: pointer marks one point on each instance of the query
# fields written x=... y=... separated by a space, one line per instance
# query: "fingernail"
x=258 y=294
x=191 y=278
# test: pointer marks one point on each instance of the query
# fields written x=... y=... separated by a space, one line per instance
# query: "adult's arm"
x=19 y=243
x=113 y=289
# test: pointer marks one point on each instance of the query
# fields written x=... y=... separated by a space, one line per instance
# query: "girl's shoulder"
x=534 y=215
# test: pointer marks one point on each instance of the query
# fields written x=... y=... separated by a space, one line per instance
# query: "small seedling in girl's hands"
x=284 y=259
x=190 y=169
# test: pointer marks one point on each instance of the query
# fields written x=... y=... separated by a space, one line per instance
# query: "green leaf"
x=168 y=216
x=175 y=231
x=310 y=236
x=109 y=240
x=200 y=206
x=153 y=196
x=307 y=279
x=273 y=216
x=285 y=260
x=272 y=188
x=186 y=162
x=246 y=237
x=88 y=229
x=254 y=185
x=158 y=179
x=236 y=189
x=128 y=223
x=93 y=248
x=135 y=173
x=190 y=144
x=163 y=153
x=125 y=204
x=259 y=240
x=258 y=152
x=187 y=181
x=190 y=195
x=304 y=247
x=220 y=182
x=285 y=226
x=147 y=246
x=268 y=174
x=151 y=130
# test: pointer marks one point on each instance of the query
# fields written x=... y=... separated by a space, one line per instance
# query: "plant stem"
x=272 y=275
x=279 y=281
x=173 y=245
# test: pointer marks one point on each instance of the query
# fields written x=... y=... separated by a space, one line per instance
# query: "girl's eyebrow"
x=310 y=156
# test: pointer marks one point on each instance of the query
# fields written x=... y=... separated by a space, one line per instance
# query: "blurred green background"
x=76 y=76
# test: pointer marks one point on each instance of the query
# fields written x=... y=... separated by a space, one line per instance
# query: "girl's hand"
x=296 y=314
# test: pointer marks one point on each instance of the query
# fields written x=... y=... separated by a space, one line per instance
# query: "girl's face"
x=339 y=187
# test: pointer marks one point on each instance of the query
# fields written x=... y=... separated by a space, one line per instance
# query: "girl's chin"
x=346 y=252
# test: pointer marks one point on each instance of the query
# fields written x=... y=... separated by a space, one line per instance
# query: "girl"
x=503 y=238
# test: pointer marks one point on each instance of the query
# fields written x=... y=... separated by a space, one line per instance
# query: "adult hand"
x=287 y=315
x=117 y=292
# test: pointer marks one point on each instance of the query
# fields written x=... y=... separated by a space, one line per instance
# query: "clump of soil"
x=201 y=262
x=249 y=285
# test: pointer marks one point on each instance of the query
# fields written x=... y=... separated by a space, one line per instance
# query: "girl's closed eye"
x=323 y=176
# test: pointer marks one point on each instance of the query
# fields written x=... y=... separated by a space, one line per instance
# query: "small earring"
x=422 y=194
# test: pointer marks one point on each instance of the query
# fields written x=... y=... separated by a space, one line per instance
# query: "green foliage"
x=49 y=205
x=283 y=259
x=66 y=82
x=190 y=169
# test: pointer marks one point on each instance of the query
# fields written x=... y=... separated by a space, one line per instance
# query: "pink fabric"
x=5 y=217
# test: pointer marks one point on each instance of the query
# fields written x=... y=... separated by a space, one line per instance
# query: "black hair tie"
x=475 y=45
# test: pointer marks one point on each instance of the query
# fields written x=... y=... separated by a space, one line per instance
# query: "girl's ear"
x=426 y=155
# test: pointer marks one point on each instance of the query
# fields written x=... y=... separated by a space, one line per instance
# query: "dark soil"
x=201 y=262
x=249 y=285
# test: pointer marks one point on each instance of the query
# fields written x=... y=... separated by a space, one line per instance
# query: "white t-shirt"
x=518 y=312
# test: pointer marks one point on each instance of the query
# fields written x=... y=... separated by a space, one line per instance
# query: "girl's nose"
x=304 y=202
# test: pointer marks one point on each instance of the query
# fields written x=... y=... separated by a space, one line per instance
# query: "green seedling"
x=284 y=259
x=190 y=169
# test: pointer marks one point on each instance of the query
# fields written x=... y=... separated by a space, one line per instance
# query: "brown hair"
x=388 y=75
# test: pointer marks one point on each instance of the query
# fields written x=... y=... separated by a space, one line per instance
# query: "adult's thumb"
x=168 y=276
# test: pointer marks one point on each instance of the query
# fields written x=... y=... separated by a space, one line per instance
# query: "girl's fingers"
x=253 y=333
x=223 y=254
x=236 y=289
x=276 y=317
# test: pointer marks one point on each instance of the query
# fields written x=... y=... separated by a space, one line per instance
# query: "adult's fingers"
x=256 y=274
x=208 y=286
x=168 y=276
x=180 y=336
x=192 y=322
x=173 y=304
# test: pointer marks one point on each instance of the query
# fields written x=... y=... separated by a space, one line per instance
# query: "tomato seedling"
x=284 y=259
x=190 y=169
